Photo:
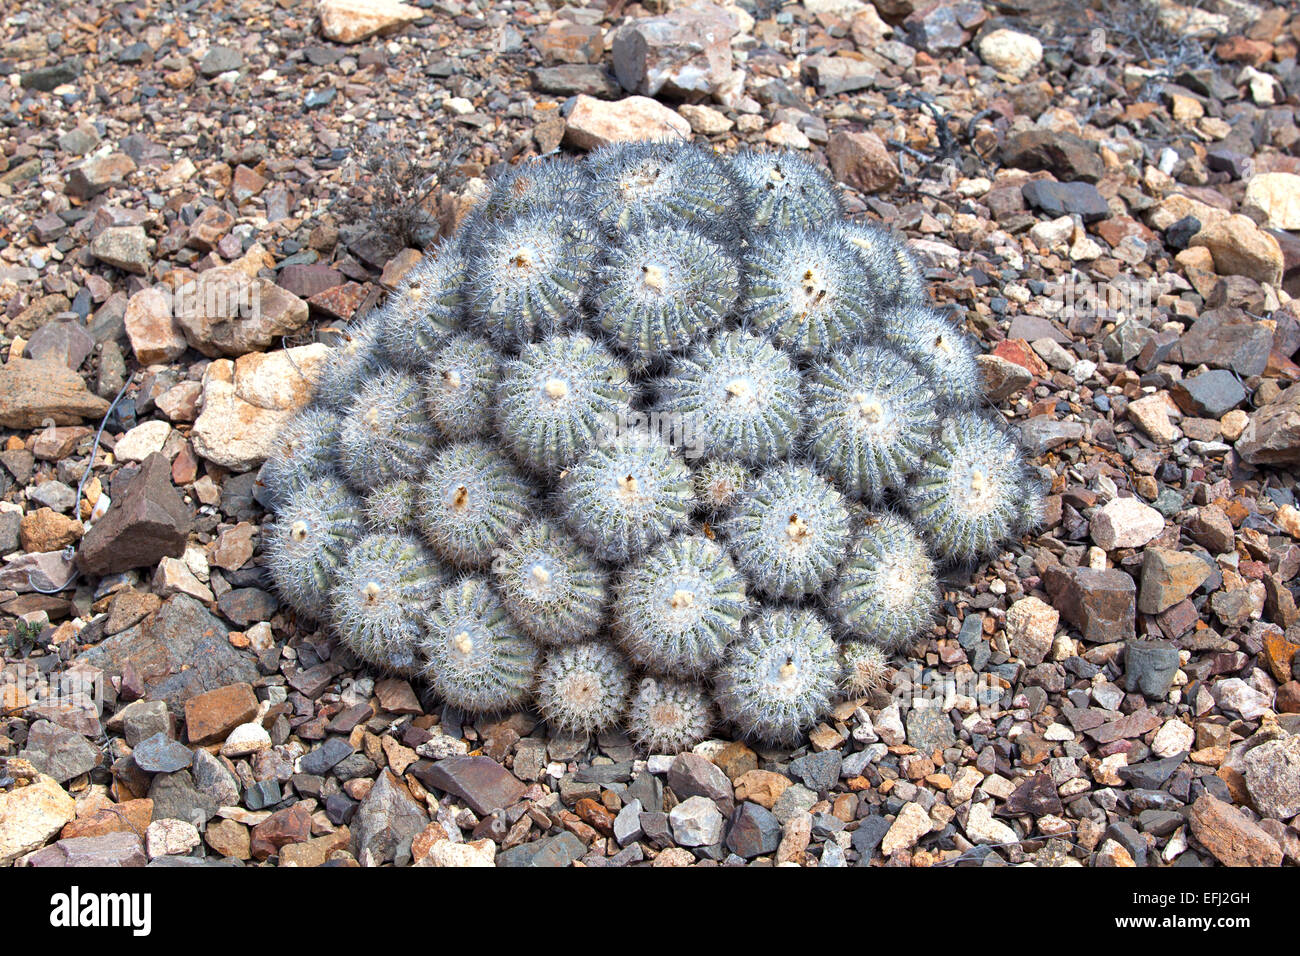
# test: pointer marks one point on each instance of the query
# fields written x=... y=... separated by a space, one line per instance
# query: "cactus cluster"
x=657 y=441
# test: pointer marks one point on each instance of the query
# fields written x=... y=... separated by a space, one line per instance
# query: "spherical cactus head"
x=679 y=606
x=669 y=715
x=942 y=351
x=967 y=496
x=806 y=290
x=891 y=268
x=358 y=357
x=470 y=499
x=528 y=274
x=626 y=494
x=784 y=191
x=780 y=677
x=865 y=667
x=391 y=507
x=872 y=418
x=381 y=597
x=386 y=434
x=1034 y=488
x=788 y=532
x=886 y=592
x=557 y=400
x=554 y=590
x=460 y=384
x=639 y=184
x=304 y=451
x=583 y=688
x=719 y=482
x=315 y=527
x=537 y=184
x=737 y=396
x=426 y=307
x=478 y=659
x=662 y=287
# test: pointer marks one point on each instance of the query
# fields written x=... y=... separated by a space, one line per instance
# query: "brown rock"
x=1233 y=839
x=92 y=177
x=1272 y=436
x=351 y=21
x=225 y=312
x=229 y=839
x=209 y=228
x=151 y=327
x=762 y=787
x=130 y=816
x=564 y=41
x=1168 y=577
x=33 y=393
x=594 y=122
x=862 y=161
x=46 y=530
x=149 y=521
x=291 y=825
x=210 y=717
x=1101 y=604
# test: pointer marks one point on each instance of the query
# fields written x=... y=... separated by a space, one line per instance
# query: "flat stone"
x=117 y=849
x=480 y=781
x=559 y=850
x=1228 y=834
x=34 y=394
x=1225 y=338
x=1211 y=394
x=753 y=831
x=124 y=247
x=593 y=123
x=692 y=775
x=911 y=823
x=1272 y=436
x=1272 y=772
x=1168 y=577
x=1125 y=523
x=1066 y=199
x=1065 y=155
x=59 y=753
x=210 y=717
x=386 y=823
x=161 y=754
x=351 y=21
x=30 y=815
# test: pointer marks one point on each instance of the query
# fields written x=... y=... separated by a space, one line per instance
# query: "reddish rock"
x=1228 y=834
x=862 y=161
x=210 y=717
x=291 y=825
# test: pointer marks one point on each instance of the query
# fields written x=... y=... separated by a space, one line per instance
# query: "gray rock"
x=818 y=771
x=795 y=800
x=1272 y=772
x=929 y=729
x=58 y=752
x=1066 y=199
x=142 y=719
x=326 y=756
x=161 y=754
x=696 y=821
x=66 y=342
x=1211 y=394
x=176 y=798
x=110 y=850
x=1150 y=667
x=213 y=780
x=754 y=831
x=220 y=59
x=480 y=781
x=692 y=775
x=559 y=850
x=627 y=825
x=386 y=823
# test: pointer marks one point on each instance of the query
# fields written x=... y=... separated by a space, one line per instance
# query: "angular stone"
x=33 y=394
x=1168 y=577
x=559 y=850
x=696 y=821
x=210 y=717
x=1100 y=603
x=30 y=815
x=1065 y=155
x=1066 y=199
x=161 y=754
x=147 y=522
x=1150 y=667
x=911 y=823
x=1125 y=523
x=224 y=311
x=692 y=775
x=67 y=343
x=351 y=21
x=57 y=752
x=1239 y=247
x=480 y=781
x=1031 y=628
x=1276 y=197
x=1272 y=772
x=92 y=176
x=151 y=327
x=386 y=823
x=862 y=161
x=1272 y=437
x=685 y=54
x=1226 y=338
x=593 y=123
x=124 y=247
x=1211 y=394
x=1227 y=833
x=117 y=849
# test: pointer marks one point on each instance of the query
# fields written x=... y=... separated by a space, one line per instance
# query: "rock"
x=229 y=839
x=140 y=442
x=574 y=79
x=564 y=41
x=351 y=21
x=1168 y=577
x=30 y=815
x=210 y=717
x=151 y=327
x=910 y=825
x=224 y=311
x=1066 y=199
x=1174 y=737
x=245 y=403
x=1067 y=156
x=116 y=849
x=1211 y=394
x=209 y=228
x=1010 y=52
x=839 y=74
x=130 y=816
x=169 y=837
x=1241 y=248
x=1211 y=528
x=862 y=161
x=762 y=787
x=180 y=651
x=45 y=530
x=161 y=754
x=559 y=850
x=148 y=521
x=1272 y=437
x=819 y=772
x=67 y=343
x=753 y=831
x=1031 y=628
x=213 y=781
x=929 y=729
x=33 y=394
x=1236 y=695
x=685 y=54
x=696 y=821
x=983 y=829
x=1125 y=523
x=92 y=176
x=57 y=752
x=691 y=775
x=942 y=27
x=445 y=853
x=480 y=781
x=1100 y=603
x=705 y=120
x=1276 y=198
x=125 y=247
x=593 y=123
x=1272 y=772
x=1150 y=667
x=1233 y=839
x=246 y=739
x=1002 y=378
x=1225 y=338
x=386 y=823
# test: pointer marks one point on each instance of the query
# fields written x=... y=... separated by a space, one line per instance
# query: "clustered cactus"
x=658 y=440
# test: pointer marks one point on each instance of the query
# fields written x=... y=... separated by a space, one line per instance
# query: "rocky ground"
x=1105 y=196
